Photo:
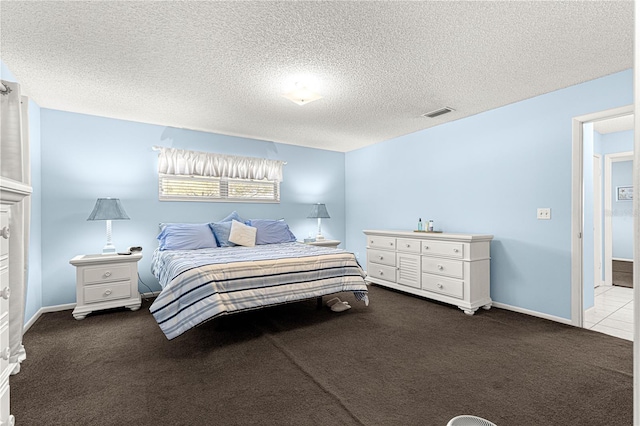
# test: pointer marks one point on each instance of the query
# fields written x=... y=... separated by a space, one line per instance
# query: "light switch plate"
x=544 y=214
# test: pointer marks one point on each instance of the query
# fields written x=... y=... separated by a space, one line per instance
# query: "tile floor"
x=612 y=313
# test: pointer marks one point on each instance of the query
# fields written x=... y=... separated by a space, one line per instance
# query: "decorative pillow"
x=186 y=236
x=222 y=229
x=272 y=231
x=242 y=235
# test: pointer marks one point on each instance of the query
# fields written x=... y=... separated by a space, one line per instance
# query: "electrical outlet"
x=544 y=214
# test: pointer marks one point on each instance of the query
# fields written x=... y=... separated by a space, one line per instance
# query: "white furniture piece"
x=325 y=243
x=11 y=192
x=105 y=281
x=451 y=268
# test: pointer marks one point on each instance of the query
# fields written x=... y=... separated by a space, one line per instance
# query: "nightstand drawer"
x=450 y=268
x=102 y=292
x=382 y=257
x=443 y=286
x=107 y=273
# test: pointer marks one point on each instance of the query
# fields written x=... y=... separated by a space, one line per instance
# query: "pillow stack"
x=231 y=231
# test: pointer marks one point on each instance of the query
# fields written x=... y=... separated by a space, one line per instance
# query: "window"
x=198 y=176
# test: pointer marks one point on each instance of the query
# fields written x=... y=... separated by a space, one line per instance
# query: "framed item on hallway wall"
x=624 y=193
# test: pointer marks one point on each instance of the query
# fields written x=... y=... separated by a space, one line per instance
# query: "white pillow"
x=242 y=235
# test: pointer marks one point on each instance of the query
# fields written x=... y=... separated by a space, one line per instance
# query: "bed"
x=203 y=283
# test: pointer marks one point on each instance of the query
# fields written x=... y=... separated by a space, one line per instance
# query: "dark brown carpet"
x=401 y=361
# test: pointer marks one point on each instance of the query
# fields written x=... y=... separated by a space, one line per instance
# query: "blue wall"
x=85 y=157
x=488 y=174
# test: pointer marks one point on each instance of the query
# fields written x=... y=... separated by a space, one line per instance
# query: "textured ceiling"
x=222 y=66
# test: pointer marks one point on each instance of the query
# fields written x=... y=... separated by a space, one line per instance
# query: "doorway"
x=597 y=139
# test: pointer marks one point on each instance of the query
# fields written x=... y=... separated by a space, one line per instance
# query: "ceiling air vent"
x=438 y=112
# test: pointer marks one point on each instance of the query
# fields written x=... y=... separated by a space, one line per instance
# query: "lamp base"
x=319 y=237
x=109 y=249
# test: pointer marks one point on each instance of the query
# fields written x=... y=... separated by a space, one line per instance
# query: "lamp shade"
x=319 y=211
x=108 y=209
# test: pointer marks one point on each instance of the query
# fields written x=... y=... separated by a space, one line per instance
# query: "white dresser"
x=105 y=281
x=451 y=268
x=11 y=192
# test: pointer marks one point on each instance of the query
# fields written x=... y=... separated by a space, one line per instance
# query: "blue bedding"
x=202 y=284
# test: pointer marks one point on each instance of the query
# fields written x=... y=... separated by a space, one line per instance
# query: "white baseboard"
x=44 y=310
x=65 y=307
x=532 y=313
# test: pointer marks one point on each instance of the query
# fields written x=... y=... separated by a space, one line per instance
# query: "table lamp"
x=319 y=212
x=108 y=209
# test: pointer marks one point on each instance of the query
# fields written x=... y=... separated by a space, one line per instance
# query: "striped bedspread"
x=198 y=285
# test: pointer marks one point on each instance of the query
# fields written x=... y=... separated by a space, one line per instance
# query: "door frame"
x=597 y=220
x=577 y=204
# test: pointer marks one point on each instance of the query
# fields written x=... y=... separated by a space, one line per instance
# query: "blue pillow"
x=222 y=229
x=234 y=216
x=272 y=231
x=186 y=236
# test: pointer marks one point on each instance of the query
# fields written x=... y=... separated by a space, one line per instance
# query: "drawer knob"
x=107 y=274
x=381 y=273
x=439 y=285
x=440 y=267
x=381 y=257
x=6 y=353
x=391 y=244
x=371 y=242
x=408 y=245
x=107 y=292
x=5 y=293
x=455 y=250
x=5 y=232
x=426 y=247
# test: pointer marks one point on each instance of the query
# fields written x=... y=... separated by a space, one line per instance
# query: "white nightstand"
x=105 y=281
x=325 y=243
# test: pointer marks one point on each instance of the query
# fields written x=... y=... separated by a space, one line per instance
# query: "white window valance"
x=173 y=161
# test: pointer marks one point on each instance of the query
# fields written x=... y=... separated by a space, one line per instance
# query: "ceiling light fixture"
x=302 y=95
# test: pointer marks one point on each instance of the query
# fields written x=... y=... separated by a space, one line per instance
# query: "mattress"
x=198 y=285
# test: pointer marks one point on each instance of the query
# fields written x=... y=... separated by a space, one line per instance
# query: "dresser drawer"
x=4 y=230
x=382 y=257
x=442 y=285
x=382 y=272
x=106 y=273
x=438 y=248
x=382 y=242
x=408 y=246
x=7 y=419
x=102 y=292
x=450 y=268
x=4 y=345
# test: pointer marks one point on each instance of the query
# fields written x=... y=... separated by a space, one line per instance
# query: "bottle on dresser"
x=420 y=225
x=430 y=226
